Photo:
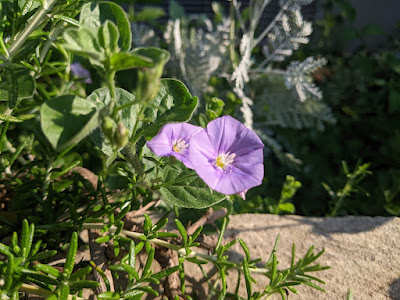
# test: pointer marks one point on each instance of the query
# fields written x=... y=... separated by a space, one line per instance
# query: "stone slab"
x=363 y=252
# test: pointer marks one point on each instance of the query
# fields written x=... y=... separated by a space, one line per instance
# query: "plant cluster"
x=77 y=156
x=361 y=85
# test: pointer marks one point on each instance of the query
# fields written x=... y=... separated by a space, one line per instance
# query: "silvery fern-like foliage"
x=282 y=36
x=278 y=106
x=293 y=100
x=144 y=36
x=298 y=2
x=196 y=54
x=298 y=76
x=287 y=35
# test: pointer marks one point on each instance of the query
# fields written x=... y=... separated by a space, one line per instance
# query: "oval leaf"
x=173 y=103
x=83 y=42
x=66 y=120
x=93 y=15
x=100 y=98
x=20 y=82
x=127 y=60
x=186 y=189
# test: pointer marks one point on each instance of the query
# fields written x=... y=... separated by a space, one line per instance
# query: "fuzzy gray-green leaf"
x=173 y=103
x=66 y=120
x=184 y=188
x=100 y=98
x=18 y=84
x=93 y=15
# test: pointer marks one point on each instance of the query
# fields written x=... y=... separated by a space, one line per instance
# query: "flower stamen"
x=224 y=160
x=180 y=146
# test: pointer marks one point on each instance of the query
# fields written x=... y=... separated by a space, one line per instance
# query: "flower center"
x=180 y=145
x=224 y=160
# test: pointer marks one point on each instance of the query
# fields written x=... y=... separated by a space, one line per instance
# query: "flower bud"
x=147 y=80
x=108 y=127
x=121 y=137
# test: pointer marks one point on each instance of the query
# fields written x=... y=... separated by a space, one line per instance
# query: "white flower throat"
x=180 y=146
x=224 y=160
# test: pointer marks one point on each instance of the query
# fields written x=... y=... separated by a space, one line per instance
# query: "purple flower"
x=174 y=140
x=79 y=71
x=228 y=156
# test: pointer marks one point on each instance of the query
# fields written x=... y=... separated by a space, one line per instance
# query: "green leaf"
x=83 y=42
x=245 y=249
x=66 y=120
x=64 y=292
x=128 y=60
x=148 y=14
x=160 y=223
x=173 y=103
x=214 y=108
x=165 y=273
x=134 y=295
x=66 y=19
x=184 y=188
x=146 y=289
x=100 y=98
x=103 y=239
x=16 y=85
x=182 y=231
x=146 y=81
x=11 y=119
x=8 y=279
x=131 y=270
x=108 y=295
x=93 y=15
x=27 y=237
x=132 y=255
x=287 y=207
x=108 y=37
x=147 y=224
x=5 y=250
x=149 y=262
x=28 y=5
x=39 y=276
x=247 y=277
x=176 y=11
x=43 y=255
x=73 y=247
x=83 y=284
x=48 y=269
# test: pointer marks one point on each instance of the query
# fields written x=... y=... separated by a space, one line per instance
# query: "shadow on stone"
x=325 y=226
x=394 y=289
x=349 y=224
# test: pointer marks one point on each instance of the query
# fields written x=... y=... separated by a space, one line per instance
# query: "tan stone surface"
x=363 y=252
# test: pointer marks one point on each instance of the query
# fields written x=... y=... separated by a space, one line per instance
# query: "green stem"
x=159 y=242
x=30 y=289
x=232 y=37
x=139 y=116
x=2 y=46
x=36 y=20
x=113 y=94
x=133 y=159
x=52 y=37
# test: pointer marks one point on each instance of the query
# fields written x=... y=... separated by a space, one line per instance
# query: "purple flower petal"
x=79 y=71
x=174 y=140
x=228 y=156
